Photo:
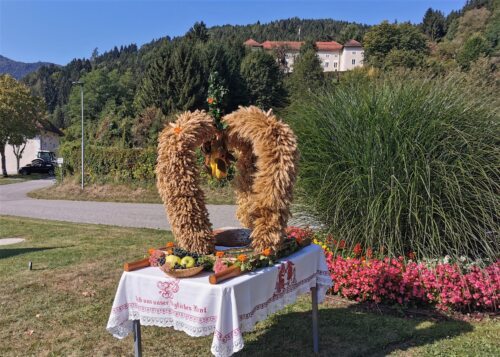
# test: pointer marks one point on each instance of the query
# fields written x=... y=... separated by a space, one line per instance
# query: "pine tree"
x=434 y=24
x=152 y=91
x=198 y=32
x=186 y=88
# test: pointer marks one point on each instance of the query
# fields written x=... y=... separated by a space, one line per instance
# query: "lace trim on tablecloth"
x=121 y=325
x=223 y=348
x=288 y=296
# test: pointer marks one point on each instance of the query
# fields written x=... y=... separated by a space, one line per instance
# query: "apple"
x=187 y=261
x=172 y=260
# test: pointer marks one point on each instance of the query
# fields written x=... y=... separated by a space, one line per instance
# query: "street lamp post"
x=83 y=144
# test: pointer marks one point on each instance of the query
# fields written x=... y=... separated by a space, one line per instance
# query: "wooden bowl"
x=181 y=273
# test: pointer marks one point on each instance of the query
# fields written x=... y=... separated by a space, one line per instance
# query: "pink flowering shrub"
x=394 y=281
x=366 y=275
x=299 y=234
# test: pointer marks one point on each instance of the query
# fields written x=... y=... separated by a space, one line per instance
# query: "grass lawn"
x=62 y=306
x=70 y=190
x=20 y=178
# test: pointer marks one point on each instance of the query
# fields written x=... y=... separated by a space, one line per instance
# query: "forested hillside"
x=18 y=69
x=294 y=29
x=131 y=92
x=125 y=85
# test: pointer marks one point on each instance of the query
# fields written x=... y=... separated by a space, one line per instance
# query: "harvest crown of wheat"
x=265 y=153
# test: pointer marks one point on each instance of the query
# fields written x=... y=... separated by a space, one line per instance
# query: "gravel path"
x=14 y=202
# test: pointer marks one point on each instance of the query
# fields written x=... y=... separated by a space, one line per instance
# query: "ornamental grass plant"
x=402 y=163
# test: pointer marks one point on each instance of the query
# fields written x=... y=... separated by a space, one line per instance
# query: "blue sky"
x=60 y=30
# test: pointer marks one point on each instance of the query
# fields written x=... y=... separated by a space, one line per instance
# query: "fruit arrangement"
x=180 y=263
x=177 y=262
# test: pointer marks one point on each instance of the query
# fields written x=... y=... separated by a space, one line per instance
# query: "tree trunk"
x=4 y=166
x=18 y=153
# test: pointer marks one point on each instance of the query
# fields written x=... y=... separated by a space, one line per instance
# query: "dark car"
x=38 y=166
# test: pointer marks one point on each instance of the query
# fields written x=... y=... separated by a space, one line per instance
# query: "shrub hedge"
x=110 y=164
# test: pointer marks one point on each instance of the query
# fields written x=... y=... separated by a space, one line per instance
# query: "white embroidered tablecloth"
x=225 y=310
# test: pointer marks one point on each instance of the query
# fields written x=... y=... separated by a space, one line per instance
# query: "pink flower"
x=219 y=265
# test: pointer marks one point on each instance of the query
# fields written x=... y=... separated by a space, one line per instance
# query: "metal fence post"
x=137 y=339
x=314 y=298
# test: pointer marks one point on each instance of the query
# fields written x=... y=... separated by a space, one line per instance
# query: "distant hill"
x=18 y=69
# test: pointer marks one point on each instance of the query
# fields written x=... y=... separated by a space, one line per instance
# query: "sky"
x=59 y=30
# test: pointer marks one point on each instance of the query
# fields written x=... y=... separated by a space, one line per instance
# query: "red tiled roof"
x=294 y=45
x=252 y=43
x=328 y=46
x=352 y=43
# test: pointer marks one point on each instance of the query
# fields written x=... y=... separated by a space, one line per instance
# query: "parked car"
x=38 y=166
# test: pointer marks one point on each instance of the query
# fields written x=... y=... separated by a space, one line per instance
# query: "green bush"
x=402 y=163
x=110 y=164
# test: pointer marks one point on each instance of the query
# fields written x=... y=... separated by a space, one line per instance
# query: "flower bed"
x=447 y=286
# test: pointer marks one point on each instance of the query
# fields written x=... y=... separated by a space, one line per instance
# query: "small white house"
x=352 y=55
x=47 y=139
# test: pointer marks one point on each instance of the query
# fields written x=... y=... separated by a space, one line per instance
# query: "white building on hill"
x=333 y=55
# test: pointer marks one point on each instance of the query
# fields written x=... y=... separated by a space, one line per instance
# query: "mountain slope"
x=18 y=69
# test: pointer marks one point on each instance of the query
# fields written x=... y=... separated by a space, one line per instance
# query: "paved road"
x=14 y=202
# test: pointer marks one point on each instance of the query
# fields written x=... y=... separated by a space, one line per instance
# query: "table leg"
x=137 y=339
x=314 y=298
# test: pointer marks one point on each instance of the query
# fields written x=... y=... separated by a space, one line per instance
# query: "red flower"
x=341 y=244
x=210 y=100
x=411 y=255
x=357 y=249
x=369 y=253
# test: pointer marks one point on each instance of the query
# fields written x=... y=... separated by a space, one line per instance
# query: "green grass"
x=62 y=306
x=20 y=178
x=70 y=190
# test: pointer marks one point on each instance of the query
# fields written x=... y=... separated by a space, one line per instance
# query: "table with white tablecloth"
x=226 y=310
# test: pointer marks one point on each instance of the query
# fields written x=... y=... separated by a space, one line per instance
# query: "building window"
x=353 y=52
x=327 y=55
x=326 y=64
x=336 y=56
x=353 y=61
x=334 y=64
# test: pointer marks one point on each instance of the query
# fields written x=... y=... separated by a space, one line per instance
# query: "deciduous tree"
x=263 y=80
x=475 y=47
x=19 y=111
x=383 y=38
x=307 y=72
